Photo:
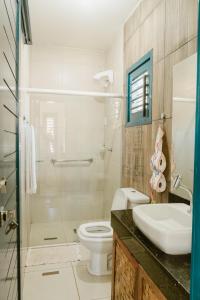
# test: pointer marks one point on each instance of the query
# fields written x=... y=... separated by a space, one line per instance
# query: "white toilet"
x=97 y=236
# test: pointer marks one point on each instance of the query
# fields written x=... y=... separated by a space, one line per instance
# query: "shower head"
x=106 y=76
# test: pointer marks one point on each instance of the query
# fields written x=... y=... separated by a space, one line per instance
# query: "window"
x=139 y=98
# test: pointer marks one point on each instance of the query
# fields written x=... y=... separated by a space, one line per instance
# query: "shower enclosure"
x=70 y=138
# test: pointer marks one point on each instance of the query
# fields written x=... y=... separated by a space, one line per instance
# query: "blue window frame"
x=139 y=88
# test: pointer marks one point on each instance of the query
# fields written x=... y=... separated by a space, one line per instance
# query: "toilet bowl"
x=97 y=236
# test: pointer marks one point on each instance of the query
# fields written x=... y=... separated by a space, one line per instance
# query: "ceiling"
x=78 y=23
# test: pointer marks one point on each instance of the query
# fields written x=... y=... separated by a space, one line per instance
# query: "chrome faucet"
x=178 y=184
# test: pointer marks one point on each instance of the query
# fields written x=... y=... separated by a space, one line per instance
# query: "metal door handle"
x=11 y=226
x=6 y=215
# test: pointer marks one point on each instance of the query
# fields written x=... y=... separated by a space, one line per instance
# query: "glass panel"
x=69 y=193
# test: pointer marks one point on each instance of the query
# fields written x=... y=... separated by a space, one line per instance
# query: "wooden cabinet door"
x=147 y=290
x=125 y=274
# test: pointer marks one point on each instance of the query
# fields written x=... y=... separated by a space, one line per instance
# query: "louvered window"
x=139 y=100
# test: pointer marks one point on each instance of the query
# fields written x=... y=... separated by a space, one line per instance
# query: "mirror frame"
x=195 y=266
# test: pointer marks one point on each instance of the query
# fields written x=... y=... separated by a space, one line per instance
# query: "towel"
x=31 y=182
x=158 y=182
x=158 y=164
x=159 y=139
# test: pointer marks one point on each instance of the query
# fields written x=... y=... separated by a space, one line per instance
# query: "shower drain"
x=50 y=273
x=50 y=238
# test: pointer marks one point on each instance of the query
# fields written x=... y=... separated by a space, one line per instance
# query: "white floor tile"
x=73 y=281
x=42 y=231
x=45 y=267
x=61 y=286
x=91 y=287
x=57 y=254
x=63 y=231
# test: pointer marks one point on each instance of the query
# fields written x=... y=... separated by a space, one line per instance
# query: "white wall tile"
x=67 y=128
x=113 y=127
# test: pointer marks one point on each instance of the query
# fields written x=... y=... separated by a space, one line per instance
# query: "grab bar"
x=55 y=161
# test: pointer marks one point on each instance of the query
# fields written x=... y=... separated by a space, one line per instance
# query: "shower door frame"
x=18 y=24
x=22 y=28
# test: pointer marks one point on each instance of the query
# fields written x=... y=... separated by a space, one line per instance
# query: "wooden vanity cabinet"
x=129 y=280
x=125 y=273
x=147 y=290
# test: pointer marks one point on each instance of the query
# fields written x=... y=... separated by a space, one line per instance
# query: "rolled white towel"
x=159 y=139
x=158 y=162
x=158 y=182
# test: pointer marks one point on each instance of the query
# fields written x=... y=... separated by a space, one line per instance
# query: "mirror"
x=183 y=126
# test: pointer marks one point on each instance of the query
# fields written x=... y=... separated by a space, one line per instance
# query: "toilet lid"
x=97 y=230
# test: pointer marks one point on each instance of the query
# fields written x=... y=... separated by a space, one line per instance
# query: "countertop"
x=171 y=273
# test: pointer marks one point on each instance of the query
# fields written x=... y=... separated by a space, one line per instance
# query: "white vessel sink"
x=168 y=226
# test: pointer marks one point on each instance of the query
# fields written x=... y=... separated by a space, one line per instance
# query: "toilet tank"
x=136 y=198
x=127 y=198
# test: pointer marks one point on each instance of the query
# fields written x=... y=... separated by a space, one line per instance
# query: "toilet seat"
x=96 y=230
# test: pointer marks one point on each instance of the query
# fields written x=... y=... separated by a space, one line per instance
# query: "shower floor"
x=54 y=232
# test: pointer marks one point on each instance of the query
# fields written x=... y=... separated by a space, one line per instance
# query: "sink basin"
x=168 y=226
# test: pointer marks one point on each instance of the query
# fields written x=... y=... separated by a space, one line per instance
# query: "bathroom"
x=99 y=135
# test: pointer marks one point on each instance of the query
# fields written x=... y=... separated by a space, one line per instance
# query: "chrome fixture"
x=178 y=184
x=107 y=148
x=12 y=225
x=106 y=76
x=7 y=215
x=55 y=161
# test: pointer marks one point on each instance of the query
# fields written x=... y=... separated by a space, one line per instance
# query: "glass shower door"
x=70 y=166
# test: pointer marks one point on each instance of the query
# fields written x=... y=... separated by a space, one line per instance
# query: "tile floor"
x=63 y=232
x=60 y=272
x=42 y=232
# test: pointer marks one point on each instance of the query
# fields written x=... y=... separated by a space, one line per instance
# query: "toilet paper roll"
x=158 y=182
x=158 y=162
